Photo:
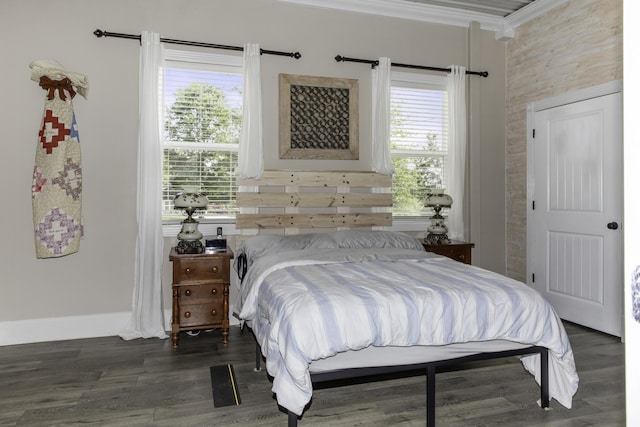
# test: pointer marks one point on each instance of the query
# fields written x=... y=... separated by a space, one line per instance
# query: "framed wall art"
x=318 y=118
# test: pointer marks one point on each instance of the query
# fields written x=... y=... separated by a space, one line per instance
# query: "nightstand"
x=200 y=292
x=457 y=250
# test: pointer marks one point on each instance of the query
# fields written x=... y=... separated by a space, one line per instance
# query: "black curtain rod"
x=374 y=63
x=100 y=33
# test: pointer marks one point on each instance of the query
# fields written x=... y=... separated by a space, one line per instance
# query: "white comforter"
x=317 y=303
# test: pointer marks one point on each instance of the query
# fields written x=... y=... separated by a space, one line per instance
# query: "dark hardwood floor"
x=111 y=382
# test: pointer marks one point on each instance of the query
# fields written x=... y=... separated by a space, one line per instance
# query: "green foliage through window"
x=201 y=123
x=419 y=124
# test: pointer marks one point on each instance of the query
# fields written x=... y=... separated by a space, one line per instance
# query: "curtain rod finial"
x=98 y=33
x=339 y=58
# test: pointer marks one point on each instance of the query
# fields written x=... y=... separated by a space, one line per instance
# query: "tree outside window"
x=201 y=130
x=419 y=116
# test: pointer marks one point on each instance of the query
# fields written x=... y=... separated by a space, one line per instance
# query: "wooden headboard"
x=295 y=200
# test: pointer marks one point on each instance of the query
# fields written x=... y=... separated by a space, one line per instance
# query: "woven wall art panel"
x=318 y=118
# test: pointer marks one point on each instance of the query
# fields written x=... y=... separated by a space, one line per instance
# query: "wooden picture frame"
x=318 y=118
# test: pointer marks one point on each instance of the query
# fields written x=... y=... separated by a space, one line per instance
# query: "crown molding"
x=526 y=14
x=531 y=11
x=503 y=27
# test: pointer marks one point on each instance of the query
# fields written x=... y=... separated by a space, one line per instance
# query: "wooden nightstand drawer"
x=201 y=315
x=190 y=294
x=200 y=270
x=459 y=251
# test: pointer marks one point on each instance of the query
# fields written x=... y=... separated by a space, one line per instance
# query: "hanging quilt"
x=56 y=192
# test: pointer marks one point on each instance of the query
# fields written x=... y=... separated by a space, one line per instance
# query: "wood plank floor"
x=111 y=382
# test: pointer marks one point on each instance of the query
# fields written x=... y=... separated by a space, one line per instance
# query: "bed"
x=330 y=293
x=348 y=303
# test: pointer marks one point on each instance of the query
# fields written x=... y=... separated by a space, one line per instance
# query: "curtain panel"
x=147 y=316
x=381 y=120
x=250 y=151
x=456 y=89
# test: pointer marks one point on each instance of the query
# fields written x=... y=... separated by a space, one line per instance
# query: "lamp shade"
x=438 y=198
x=190 y=199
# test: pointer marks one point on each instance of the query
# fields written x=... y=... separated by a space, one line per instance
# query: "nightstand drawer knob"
x=187 y=314
x=214 y=291
x=215 y=269
x=214 y=312
x=187 y=270
x=187 y=292
x=461 y=257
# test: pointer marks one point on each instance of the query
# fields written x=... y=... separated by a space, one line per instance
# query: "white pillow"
x=257 y=246
x=375 y=239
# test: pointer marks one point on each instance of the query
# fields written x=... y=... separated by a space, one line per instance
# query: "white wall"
x=89 y=293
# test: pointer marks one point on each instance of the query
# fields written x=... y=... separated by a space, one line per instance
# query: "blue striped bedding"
x=306 y=305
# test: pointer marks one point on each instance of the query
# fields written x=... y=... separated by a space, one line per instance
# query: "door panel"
x=575 y=267
x=577 y=260
x=575 y=145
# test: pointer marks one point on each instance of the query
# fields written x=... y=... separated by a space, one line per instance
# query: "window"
x=419 y=137
x=201 y=115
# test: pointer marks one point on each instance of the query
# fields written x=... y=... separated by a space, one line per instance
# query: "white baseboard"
x=70 y=328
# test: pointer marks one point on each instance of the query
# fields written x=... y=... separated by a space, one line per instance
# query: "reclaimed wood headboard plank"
x=325 y=179
x=314 y=199
x=293 y=200
x=302 y=220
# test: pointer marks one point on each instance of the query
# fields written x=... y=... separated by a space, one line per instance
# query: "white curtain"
x=457 y=149
x=147 y=317
x=381 y=132
x=250 y=157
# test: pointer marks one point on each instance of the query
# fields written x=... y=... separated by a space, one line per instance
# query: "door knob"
x=612 y=226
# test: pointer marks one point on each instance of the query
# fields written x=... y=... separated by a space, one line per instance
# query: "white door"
x=577 y=211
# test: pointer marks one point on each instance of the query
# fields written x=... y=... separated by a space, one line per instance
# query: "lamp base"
x=437 y=239
x=189 y=247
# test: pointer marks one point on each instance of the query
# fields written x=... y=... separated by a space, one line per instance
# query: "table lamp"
x=437 y=200
x=189 y=236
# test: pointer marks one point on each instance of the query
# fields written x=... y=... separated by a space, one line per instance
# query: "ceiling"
x=500 y=16
x=501 y=8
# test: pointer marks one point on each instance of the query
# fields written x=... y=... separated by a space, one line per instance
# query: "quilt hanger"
x=56 y=191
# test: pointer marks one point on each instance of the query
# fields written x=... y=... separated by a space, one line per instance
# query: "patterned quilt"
x=56 y=192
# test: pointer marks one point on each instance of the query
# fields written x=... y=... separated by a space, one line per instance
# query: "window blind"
x=419 y=137
x=201 y=117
